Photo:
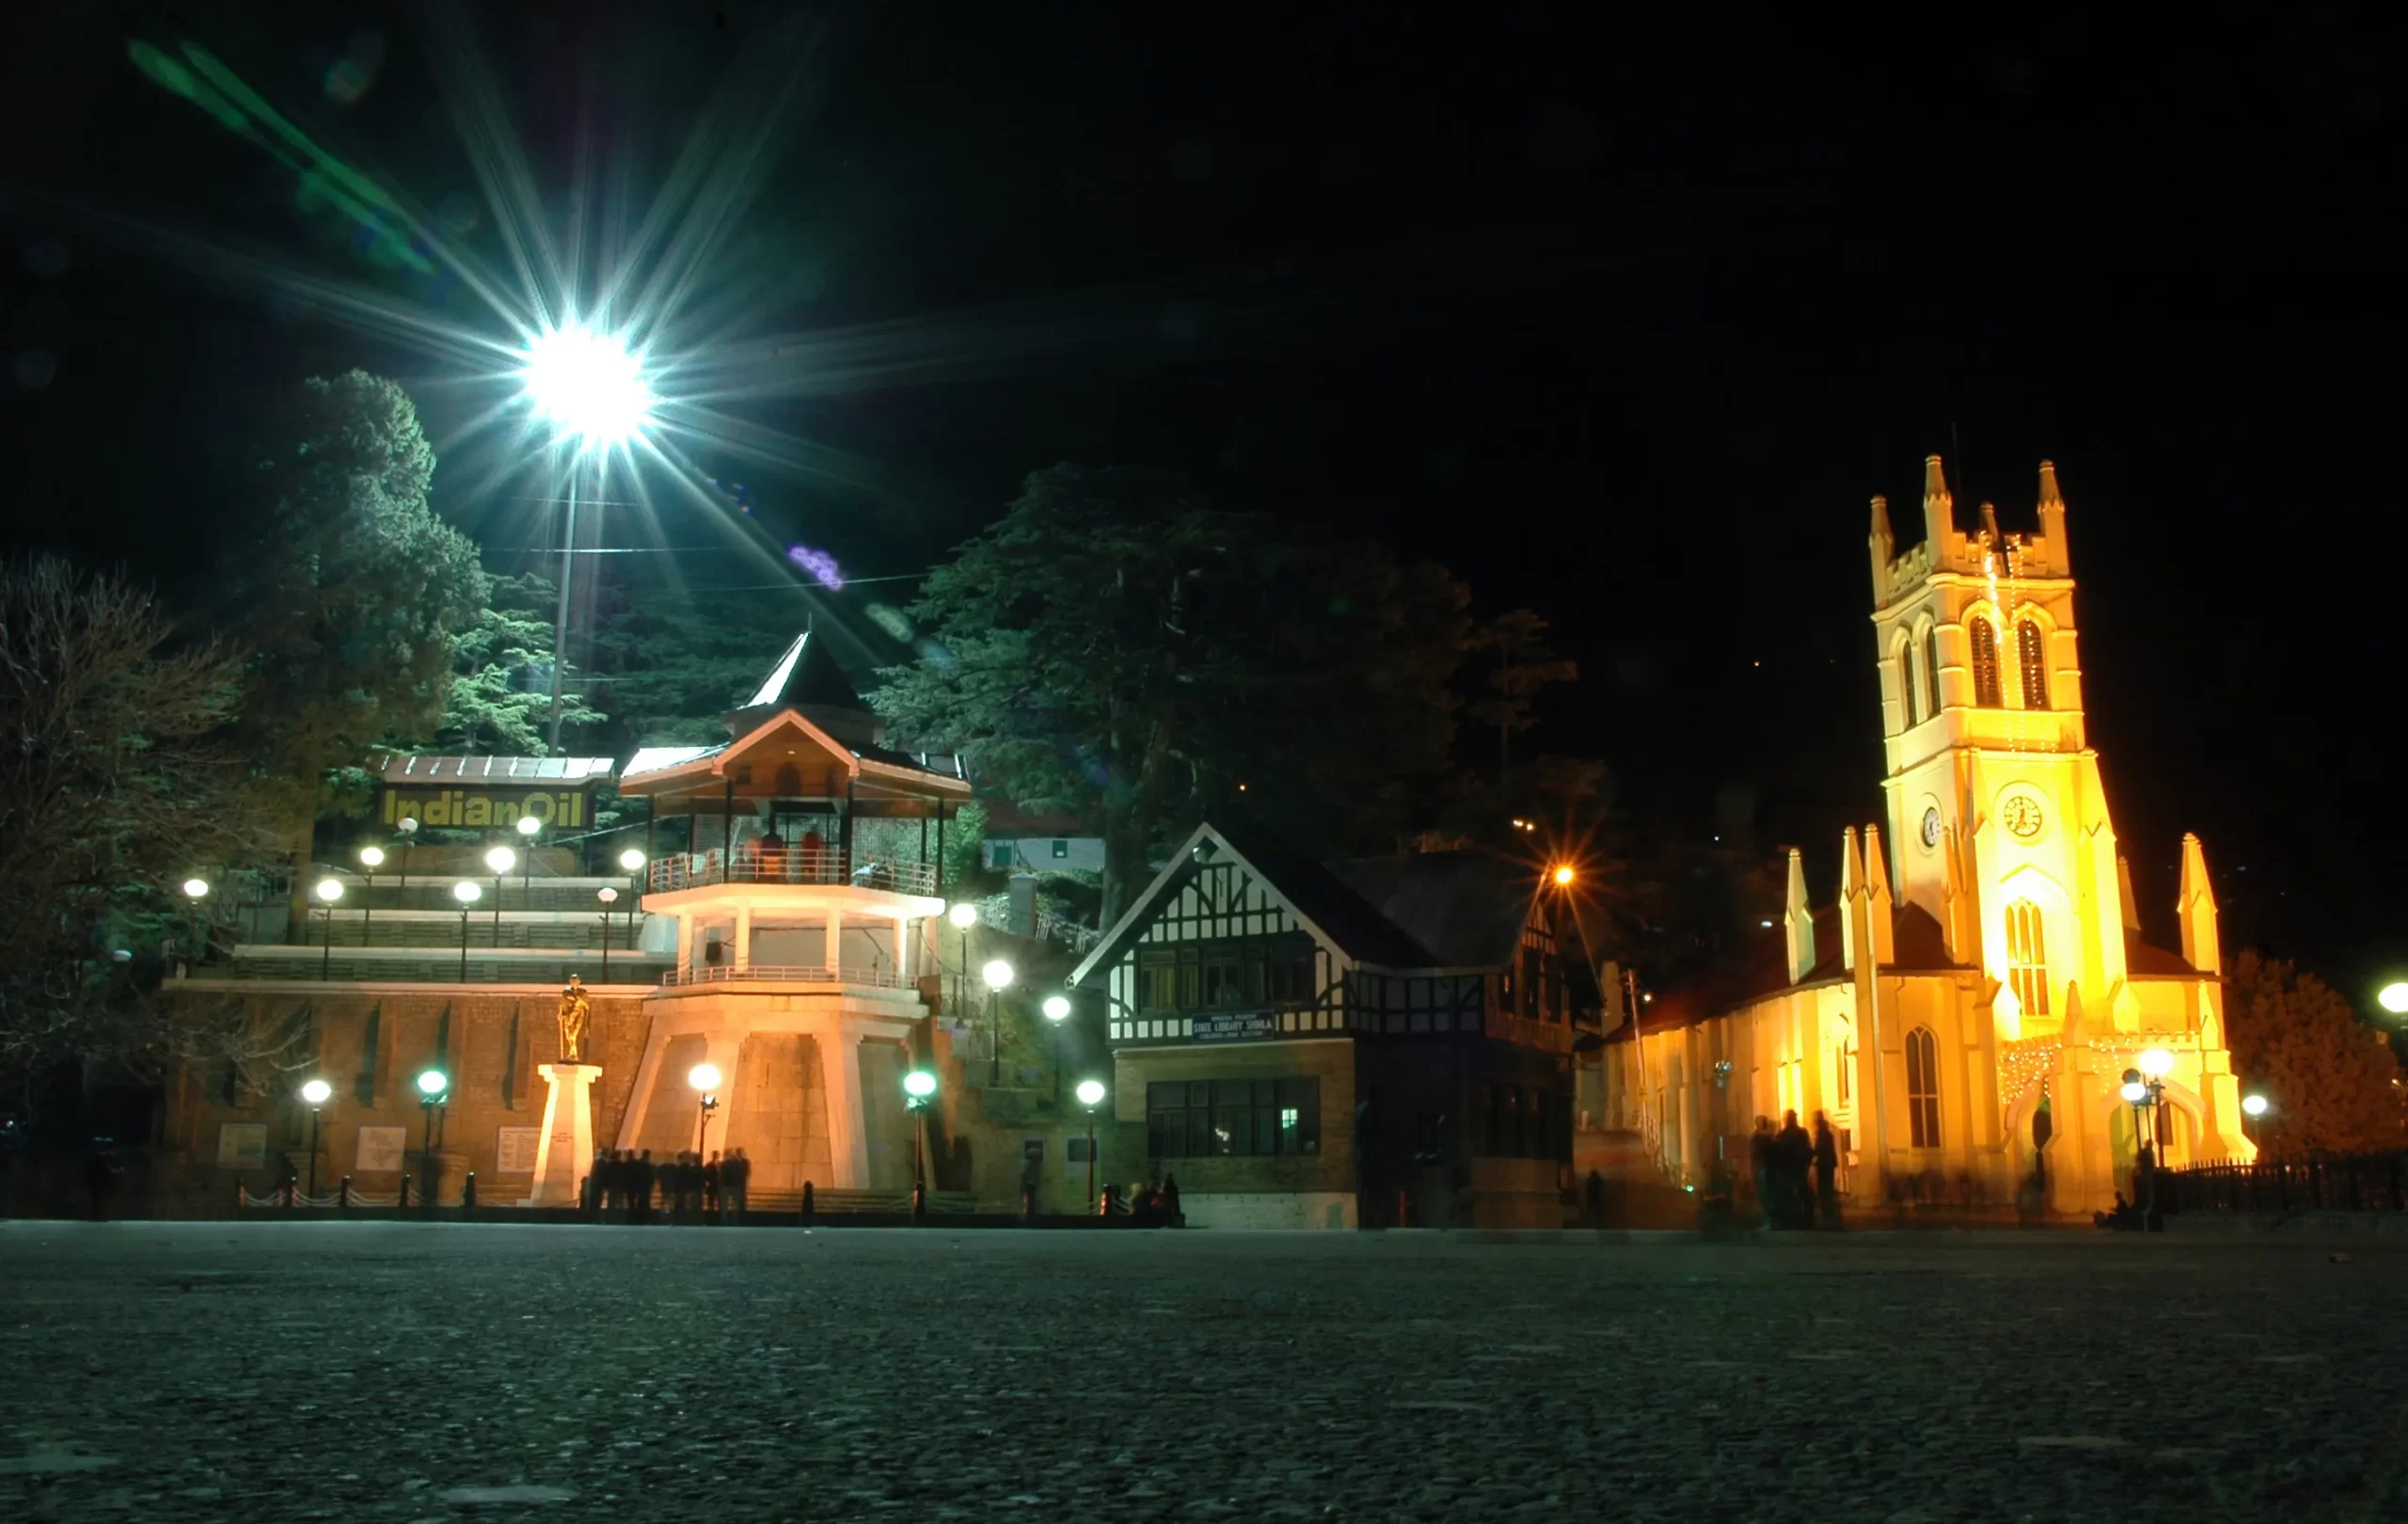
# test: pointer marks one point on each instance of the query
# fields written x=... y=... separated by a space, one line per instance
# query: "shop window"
x=1248 y=1118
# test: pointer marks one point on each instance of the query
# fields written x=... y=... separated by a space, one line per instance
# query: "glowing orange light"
x=1564 y=874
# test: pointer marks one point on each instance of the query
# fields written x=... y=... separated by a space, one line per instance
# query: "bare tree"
x=117 y=783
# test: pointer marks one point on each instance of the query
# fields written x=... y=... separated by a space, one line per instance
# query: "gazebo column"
x=848 y=1128
x=835 y=954
x=743 y=936
x=905 y=965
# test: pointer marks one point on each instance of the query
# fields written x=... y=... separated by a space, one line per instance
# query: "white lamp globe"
x=528 y=825
x=919 y=1084
x=2393 y=997
x=1090 y=1092
x=632 y=860
x=965 y=915
x=703 y=1076
x=317 y=1093
x=1057 y=1008
x=587 y=386
x=468 y=891
x=433 y=1083
x=2156 y=1063
x=2135 y=1093
x=329 y=890
x=2252 y=1105
x=372 y=856
x=607 y=894
x=997 y=973
x=196 y=888
x=501 y=860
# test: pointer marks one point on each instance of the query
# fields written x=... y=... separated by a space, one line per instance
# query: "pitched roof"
x=403 y=768
x=805 y=674
x=2146 y=962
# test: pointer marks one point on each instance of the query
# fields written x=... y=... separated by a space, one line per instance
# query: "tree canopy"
x=2333 y=1083
x=673 y=664
x=500 y=696
x=1116 y=647
x=117 y=783
x=348 y=592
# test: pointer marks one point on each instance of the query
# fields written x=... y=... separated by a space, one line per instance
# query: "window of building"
x=1907 y=716
x=1158 y=981
x=1248 y=1118
x=1846 y=1083
x=2032 y=652
x=1931 y=670
x=1061 y=847
x=1222 y=989
x=1922 y=1089
x=1984 y=639
x=2027 y=958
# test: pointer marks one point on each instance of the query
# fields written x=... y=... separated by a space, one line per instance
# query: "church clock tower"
x=1998 y=824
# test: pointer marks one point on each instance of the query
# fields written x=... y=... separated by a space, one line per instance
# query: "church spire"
x=1798 y=920
x=2196 y=906
x=2052 y=523
x=1939 y=511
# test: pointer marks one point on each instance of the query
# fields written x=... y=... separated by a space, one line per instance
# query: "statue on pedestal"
x=576 y=1007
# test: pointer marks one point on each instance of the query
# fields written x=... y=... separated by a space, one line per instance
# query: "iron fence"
x=2349 y=1183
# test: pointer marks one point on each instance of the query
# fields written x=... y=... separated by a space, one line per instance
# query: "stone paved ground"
x=374 y=1370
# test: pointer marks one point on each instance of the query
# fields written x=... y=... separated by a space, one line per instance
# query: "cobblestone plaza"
x=268 y=1370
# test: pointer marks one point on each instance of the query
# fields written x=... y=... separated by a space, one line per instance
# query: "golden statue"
x=575 y=1005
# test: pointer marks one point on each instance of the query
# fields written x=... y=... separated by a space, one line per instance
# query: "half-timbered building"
x=1362 y=1043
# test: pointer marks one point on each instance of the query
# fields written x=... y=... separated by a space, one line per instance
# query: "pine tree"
x=2333 y=1083
x=501 y=701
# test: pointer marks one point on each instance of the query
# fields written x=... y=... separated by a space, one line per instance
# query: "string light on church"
x=2022 y=1064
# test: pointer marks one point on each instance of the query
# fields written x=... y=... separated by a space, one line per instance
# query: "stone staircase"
x=841 y=1203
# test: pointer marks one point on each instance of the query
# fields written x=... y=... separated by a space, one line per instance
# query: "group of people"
x=1796 y=1173
x=630 y=1186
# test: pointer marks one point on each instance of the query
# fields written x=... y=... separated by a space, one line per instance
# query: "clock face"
x=2021 y=816
x=1931 y=826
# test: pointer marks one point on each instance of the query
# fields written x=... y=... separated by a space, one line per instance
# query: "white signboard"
x=242 y=1145
x=514 y=1151
x=380 y=1151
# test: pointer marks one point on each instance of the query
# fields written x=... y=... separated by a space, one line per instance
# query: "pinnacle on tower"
x=1851 y=900
x=1880 y=912
x=1938 y=510
x=2053 y=522
x=1798 y=920
x=2196 y=906
x=1883 y=548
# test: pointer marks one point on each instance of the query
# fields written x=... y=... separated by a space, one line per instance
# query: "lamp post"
x=1057 y=1011
x=633 y=861
x=371 y=859
x=2155 y=1064
x=406 y=827
x=605 y=894
x=2253 y=1115
x=1090 y=1096
x=197 y=890
x=963 y=916
x=919 y=1089
x=592 y=389
x=432 y=1085
x=528 y=827
x=468 y=893
x=705 y=1078
x=2393 y=997
x=998 y=974
x=501 y=860
x=328 y=891
x=316 y=1093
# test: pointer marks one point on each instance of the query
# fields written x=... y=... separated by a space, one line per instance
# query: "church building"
x=1967 y=1012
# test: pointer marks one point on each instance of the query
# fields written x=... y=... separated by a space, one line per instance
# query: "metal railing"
x=2350 y=1183
x=789 y=864
x=788 y=972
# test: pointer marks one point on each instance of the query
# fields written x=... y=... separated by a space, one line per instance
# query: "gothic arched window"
x=1985 y=639
x=1908 y=719
x=1922 y=1089
x=1931 y=668
x=2027 y=958
x=2030 y=649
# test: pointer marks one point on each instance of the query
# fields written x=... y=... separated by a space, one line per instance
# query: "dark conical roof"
x=807 y=678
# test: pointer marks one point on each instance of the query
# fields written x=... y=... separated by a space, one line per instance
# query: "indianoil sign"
x=490 y=792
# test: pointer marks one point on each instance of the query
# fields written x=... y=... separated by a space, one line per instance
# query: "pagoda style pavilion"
x=805 y=906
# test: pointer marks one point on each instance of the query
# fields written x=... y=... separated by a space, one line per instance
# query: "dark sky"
x=1626 y=327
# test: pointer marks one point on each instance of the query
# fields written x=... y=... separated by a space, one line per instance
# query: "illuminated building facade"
x=1970 y=1005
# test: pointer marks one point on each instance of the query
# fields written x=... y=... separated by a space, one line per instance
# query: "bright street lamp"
x=528 y=826
x=1057 y=1007
x=432 y=1083
x=328 y=891
x=705 y=1078
x=2252 y=1105
x=919 y=1089
x=998 y=974
x=468 y=892
x=965 y=915
x=1090 y=1093
x=371 y=859
x=2134 y=1091
x=1057 y=1011
x=1563 y=875
x=2156 y=1063
x=2393 y=997
x=501 y=860
x=196 y=888
x=591 y=390
x=607 y=894
x=316 y=1093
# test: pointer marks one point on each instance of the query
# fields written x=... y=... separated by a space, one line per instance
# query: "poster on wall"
x=242 y=1145
x=380 y=1151
x=513 y=1151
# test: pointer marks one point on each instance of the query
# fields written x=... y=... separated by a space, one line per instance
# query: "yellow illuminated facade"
x=1984 y=959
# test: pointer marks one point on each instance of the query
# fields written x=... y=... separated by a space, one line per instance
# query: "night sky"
x=1623 y=327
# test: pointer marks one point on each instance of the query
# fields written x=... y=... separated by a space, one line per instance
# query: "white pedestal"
x=564 y=1152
